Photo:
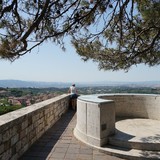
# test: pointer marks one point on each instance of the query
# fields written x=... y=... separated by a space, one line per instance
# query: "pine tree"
x=117 y=34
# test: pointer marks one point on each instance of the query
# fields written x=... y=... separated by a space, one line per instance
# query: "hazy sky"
x=51 y=64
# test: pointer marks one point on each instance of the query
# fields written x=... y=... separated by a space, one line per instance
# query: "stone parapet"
x=21 y=128
x=135 y=105
x=95 y=120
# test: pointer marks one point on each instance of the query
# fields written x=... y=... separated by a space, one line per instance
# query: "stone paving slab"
x=59 y=143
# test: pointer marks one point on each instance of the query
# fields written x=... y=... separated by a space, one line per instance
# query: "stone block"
x=6 y=155
x=0 y=138
x=22 y=134
x=24 y=124
x=1 y=148
x=18 y=146
x=24 y=141
x=30 y=128
x=14 y=139
x=7 y=145
x=14 y=157
x=13 y=130
x=6 y=135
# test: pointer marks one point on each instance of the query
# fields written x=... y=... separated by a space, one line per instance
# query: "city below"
x=15 y=94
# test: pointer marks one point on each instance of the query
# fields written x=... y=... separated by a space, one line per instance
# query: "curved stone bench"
x=135 y=105
x=96 y=114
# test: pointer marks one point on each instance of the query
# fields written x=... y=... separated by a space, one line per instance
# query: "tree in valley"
x=115 y=33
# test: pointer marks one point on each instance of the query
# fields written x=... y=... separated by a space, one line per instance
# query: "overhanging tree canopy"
x=115 y=33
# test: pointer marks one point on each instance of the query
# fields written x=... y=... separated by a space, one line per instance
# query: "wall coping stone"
x=98 y=98
x=95 y=98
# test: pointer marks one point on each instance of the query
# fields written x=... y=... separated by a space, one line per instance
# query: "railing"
x=21 y=128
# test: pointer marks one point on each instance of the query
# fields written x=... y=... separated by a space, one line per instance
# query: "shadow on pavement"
x=42 y=148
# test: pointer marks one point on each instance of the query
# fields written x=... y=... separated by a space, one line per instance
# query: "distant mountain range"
x=31 y=84
x=35 y=84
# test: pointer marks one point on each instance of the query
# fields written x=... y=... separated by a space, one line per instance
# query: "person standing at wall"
x=74 y=95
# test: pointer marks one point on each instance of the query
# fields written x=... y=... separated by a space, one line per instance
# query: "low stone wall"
x=20 y=129
x=136 y=105
x=95 y=120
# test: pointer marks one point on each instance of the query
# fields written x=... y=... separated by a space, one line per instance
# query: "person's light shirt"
x=73 y=90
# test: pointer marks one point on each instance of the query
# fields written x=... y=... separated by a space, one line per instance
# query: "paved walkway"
x=59 y=143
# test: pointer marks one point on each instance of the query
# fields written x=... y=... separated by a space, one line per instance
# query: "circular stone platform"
x=138 y=134
x=140 y=128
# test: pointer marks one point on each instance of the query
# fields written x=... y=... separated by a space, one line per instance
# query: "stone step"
x=142 y=134
x=130 y=154
x=127 y=154
x=122 y=140
x=135 y=139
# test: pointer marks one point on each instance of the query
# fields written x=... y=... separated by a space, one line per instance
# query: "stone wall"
x=136 y=105
x=20 y=129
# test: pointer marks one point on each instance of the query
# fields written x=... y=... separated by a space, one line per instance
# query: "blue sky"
x=51 y=64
